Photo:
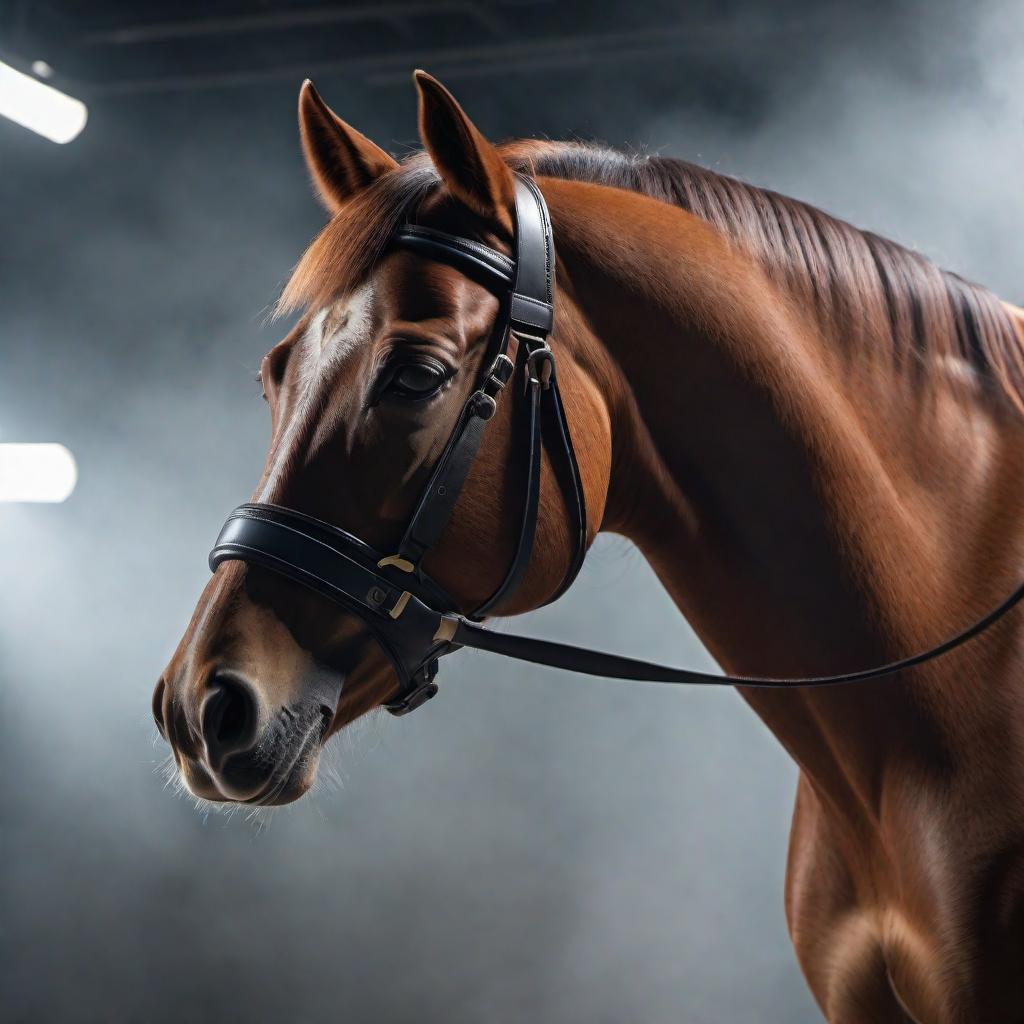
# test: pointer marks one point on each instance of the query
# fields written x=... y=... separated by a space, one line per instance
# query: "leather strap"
x=545 y=414
x=528 y=313
x=342 y=568
x=532 y=310
x=614 y=666
x=493 y=269
x=572 y=482
x=414 y=635
x=437 y=502
x=531 y=503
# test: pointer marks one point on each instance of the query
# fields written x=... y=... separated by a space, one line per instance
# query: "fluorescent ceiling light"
x=36 y=472
x=40 y=107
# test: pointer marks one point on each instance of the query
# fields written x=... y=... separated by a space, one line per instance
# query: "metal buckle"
x=412 y=700
x=500 y=373
x=419 y=694
x=540 y=364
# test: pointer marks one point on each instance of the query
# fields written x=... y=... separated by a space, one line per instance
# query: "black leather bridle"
x=410 y=615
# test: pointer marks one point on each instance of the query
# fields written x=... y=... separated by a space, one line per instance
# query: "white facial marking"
x=333 y=334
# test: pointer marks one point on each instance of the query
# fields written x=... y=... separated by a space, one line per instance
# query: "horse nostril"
x=326 y=720
x=158 y=707
x=230 y=716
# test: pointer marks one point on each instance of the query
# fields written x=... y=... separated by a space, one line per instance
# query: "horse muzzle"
x=234 y=748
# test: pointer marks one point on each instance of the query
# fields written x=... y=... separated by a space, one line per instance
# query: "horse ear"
x=341 y=161
x=469 y=165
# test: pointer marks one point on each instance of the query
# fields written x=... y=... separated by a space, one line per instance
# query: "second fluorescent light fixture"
x=36 y=472
x=40 y=107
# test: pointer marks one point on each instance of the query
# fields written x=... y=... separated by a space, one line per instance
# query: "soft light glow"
x=40 y=107
x=36 y=472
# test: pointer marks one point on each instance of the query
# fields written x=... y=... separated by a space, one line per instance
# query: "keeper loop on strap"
x=398 y=562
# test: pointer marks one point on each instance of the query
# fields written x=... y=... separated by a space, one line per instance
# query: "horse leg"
x=836 y=942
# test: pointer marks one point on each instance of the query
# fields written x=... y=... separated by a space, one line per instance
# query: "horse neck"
x=774 y=491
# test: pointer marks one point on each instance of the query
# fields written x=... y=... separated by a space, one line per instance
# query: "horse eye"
x=417 y=380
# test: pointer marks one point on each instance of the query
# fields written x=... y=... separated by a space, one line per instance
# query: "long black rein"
x=614 y=666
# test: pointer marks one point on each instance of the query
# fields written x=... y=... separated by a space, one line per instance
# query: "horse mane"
x=864 y=290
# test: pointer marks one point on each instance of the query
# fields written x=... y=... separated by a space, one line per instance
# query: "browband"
x=474 y=259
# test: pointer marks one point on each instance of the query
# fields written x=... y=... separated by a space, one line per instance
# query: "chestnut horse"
x=814 y=436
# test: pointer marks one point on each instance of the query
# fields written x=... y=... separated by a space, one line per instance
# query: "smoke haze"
x=530 y=845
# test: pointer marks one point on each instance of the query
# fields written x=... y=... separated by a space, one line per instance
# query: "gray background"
x=530 y=846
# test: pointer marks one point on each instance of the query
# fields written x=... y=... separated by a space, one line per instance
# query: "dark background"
x=530 y=846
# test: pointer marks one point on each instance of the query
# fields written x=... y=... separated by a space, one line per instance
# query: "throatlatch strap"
x=531 y=503
x=569 y=473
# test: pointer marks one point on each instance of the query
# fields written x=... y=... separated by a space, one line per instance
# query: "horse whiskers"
x=167 y=769
x=343 y=748
x=331 y=775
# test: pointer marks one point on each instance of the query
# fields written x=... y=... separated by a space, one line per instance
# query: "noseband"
x=415 y=621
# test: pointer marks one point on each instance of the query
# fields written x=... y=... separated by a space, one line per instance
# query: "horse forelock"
x=357 y=236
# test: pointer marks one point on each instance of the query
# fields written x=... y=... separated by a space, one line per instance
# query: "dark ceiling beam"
x=467 y=61
x=195 y=28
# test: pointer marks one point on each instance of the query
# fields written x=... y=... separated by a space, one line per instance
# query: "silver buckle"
x=500 y=372
x=540 y=364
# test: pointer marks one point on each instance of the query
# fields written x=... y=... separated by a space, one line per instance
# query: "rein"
x=415 y=621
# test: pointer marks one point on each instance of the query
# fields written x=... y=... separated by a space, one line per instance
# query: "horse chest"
x=912 y=936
